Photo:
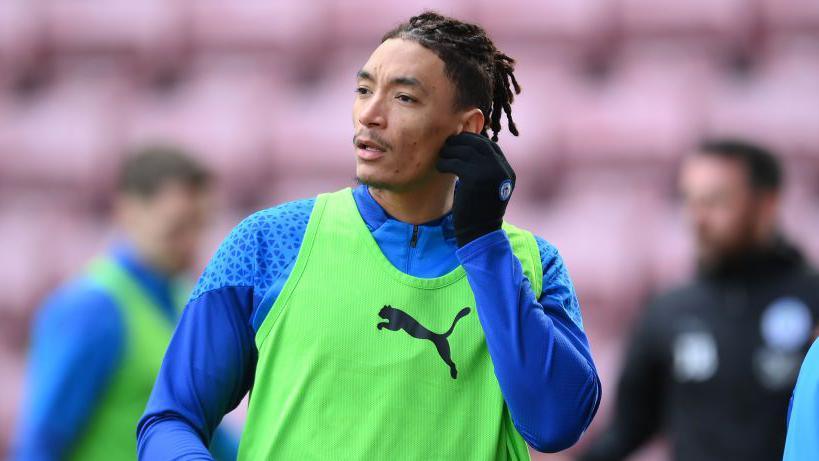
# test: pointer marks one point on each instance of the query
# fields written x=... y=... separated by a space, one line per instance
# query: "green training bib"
x=360 y=361
x=111 y=432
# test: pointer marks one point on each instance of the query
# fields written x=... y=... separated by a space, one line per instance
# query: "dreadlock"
x=483 y=75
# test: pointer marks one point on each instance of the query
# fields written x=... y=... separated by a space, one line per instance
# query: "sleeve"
x=802 y=442
x=640 y=393
x=537 y=344
x=211 y=359
x=76 y=348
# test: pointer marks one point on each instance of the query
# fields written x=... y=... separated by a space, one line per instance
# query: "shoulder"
x=285 y=220
x=557 y=284
x=81 y=309
x=554 y=268
x=264 y=242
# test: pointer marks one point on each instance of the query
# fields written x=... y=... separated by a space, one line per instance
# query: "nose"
x=371 y=113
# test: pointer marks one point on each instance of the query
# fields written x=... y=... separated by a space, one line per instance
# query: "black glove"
x=485 y=184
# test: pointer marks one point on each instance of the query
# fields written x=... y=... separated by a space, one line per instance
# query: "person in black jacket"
x=712 y=364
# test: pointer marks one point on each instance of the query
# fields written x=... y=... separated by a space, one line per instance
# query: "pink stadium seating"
x=726 y=19
x=48 y=145
x=579 y=21
x=313 y=131
x=12 y=369
x=20 y=36
x=642 y=114
x=365 y=21
x=146 y=26
x=219 y=115
x=615 y=278
x=776 y=106
x=791 y=15
x=249 y=24
x=548 y=83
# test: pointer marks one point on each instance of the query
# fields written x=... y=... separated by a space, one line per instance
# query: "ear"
x=472 y=121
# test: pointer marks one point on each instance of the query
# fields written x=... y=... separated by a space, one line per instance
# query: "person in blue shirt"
x=98 y=340
x=423 y=105
x=802 y=441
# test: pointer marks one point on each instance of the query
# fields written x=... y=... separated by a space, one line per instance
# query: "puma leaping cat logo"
x=396 y=319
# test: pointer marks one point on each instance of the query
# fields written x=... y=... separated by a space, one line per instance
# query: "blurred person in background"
x=98 y=341
x=711 y=364
x=401 y=319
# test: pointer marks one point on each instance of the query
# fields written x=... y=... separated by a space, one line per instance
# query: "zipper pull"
x=414 y=239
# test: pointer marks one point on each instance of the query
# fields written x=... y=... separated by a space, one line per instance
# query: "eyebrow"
x=403 y=81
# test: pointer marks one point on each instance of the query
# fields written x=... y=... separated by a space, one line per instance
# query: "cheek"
x=423 y=140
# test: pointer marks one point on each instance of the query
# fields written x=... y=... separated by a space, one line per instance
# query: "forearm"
x=161 y=436
x=541 y=361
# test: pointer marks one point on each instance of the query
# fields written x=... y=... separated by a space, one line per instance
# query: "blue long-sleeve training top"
x=77 y=345
x=537 y=343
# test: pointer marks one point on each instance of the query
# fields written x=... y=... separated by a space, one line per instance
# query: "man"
x=374 y=323
x=98 y=342
x=712 y=363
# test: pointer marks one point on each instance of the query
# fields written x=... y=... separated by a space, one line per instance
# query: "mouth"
x=369 y=150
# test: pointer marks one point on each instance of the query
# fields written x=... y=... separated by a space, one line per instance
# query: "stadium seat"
x=725 y=20
x=548 y=82
x=294 y=30
x=600 y=235
x=148 y=29
x=313 y=131
x=788 y=16
x=219 y=115
x=574 y=22
x=12 y=368
x=20 y=37
x=365 y=21
x=775 y=106
x=643 y=115
x=65 y=136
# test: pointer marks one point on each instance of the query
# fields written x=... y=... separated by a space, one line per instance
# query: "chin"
x=365 y=175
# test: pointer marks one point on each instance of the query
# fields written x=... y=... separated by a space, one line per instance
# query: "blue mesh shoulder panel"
x=258 y=249
x=556 y=281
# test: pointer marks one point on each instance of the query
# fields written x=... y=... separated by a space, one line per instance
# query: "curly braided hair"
x=483 y=75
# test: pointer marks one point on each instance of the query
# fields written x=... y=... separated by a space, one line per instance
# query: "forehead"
x=405 y=58
x=708 y=170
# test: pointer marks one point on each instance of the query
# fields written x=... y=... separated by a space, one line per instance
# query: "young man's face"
x=403 y=112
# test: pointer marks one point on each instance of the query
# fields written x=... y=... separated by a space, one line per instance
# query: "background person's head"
x=161 y=206
x=431 y=77
x=731 y=192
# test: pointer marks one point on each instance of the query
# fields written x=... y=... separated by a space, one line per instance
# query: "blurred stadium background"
x=614 y=93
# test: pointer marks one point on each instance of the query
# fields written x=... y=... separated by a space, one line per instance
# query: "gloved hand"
x=485 y=184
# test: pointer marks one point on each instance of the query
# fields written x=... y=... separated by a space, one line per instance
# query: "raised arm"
x=537 y=343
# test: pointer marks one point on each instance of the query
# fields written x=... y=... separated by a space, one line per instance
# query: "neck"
x=141 y=253
x=417 y=205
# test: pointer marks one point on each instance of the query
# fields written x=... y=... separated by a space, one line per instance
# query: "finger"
x=504 y=162
x=455 y=166
x=460 y=152
x=475 y=141
x=496 y=148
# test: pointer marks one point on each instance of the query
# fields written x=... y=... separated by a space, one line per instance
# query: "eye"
x=362 y=90
x=405 y=98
